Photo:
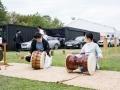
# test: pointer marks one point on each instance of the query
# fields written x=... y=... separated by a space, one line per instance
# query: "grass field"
x=9 y=83
x=111 y=60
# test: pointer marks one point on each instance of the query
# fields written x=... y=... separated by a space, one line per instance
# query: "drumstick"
x=85 y=52
x=67 y=79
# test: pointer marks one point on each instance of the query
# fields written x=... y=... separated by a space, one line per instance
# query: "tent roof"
x=87 y=25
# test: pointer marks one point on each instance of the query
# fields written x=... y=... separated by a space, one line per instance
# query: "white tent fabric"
x=87 y=25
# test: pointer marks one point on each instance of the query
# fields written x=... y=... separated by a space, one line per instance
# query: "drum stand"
x=4 y=57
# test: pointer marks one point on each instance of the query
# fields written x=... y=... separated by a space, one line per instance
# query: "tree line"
x=28 y=20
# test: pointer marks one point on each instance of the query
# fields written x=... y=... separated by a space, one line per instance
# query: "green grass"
x=12 y=57
x=111 y=60
x=9 y=83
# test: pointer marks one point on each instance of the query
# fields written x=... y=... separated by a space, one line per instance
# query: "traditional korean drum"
x=37 y=60
x=87 y=62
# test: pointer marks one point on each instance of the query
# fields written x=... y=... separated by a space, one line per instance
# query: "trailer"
x=8 y=32
x=69 y=33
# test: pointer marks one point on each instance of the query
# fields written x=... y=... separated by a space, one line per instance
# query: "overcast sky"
x=101 y=11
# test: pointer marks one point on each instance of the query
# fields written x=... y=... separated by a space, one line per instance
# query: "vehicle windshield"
x=51 y=38
x=30 y=41
x=79 y=38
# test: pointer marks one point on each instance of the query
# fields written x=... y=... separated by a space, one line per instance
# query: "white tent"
x=90 y=26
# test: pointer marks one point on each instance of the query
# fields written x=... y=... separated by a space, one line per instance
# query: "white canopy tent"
x=95 y=27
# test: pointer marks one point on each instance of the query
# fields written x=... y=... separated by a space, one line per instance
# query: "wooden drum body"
x=87 y=62
x=37 y=60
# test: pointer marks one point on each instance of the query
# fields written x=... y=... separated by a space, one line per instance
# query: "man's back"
x=18 y=38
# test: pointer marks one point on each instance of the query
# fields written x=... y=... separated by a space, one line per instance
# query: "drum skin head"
x=70 y=63
x=91 y=64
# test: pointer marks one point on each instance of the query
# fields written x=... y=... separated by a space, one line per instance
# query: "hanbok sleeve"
x=99 y=52
x=83 y=50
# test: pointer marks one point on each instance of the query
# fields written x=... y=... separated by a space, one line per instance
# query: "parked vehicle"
x=119 y=42
x=26 y=45
x=109 y=41
x=78 y=42
x=0 y=40
x=53 y=43
x=62 y=41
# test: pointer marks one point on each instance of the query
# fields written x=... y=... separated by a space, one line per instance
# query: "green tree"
x=13 y=18
x=29 y=20
x=34 y=20
x=3 y=13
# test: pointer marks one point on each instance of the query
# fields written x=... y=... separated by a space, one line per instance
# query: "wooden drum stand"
x=3 y=54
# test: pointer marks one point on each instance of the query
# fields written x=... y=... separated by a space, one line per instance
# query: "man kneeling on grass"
x=91 y=47
x=39 y=44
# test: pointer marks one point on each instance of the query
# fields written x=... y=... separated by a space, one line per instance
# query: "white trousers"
x=46 y=61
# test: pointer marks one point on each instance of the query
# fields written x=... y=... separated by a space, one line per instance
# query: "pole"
x=105 y=45
x=115 y=45
x=5 y=61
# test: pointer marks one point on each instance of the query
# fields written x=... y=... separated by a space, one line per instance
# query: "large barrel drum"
x=87 y=62
x=73 y=62
x=37 y=60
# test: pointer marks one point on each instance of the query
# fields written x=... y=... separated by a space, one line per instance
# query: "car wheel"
x=56 y=46
x=109 y=45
